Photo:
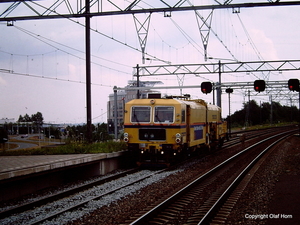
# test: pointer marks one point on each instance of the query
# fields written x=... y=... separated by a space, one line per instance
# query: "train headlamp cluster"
x=126 y=139
x=178 y=138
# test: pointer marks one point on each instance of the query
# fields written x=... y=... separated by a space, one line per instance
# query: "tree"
x=254 y=114
x=25 y=118
x=37 y=118
x=20 y=118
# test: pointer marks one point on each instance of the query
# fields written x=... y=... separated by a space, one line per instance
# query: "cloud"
x=2 y=82
x=264 y=45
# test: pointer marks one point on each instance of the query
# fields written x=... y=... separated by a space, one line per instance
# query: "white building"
x=123 y=97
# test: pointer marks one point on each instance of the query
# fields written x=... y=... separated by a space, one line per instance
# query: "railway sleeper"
x=158 y=221
x=166 y=217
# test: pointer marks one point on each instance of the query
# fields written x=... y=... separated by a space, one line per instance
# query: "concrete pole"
x=219 y=90
x=115 y=113
x=88 y=72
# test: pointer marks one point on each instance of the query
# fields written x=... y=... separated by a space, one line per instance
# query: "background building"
x=123 y=97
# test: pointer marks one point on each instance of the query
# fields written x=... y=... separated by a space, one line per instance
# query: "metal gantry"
x=223 y=67
x=234 y=85
x=77 y=8
x=12 y=10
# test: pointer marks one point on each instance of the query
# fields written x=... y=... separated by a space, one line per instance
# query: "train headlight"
x=178 y=135
x=162 y=152
x=178 y=140
x=126 y=135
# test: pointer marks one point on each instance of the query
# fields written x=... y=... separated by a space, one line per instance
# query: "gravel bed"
x=54 y=190
x=258 y=195
x=35 y=214
x=119 y=207
x=122 y=211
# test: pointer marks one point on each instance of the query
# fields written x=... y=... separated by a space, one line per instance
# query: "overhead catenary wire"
x=49 y=78
x=40 y=38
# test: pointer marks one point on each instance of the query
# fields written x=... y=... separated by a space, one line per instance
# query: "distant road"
x=31 y=142
x=22 y=145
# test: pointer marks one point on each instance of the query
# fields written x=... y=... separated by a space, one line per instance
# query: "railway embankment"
x=272 y=196
x=270 y=192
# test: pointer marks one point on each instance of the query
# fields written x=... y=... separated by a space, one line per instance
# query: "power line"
x=39 y=37
x=36 y=36
x=49 y=78
x=118 y=41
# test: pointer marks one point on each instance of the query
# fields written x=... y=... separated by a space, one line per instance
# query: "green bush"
x=71 y=148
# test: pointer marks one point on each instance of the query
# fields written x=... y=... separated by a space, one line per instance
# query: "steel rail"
x=50 y=216
x=165 y=203
x=235 y=183
x=56 y=196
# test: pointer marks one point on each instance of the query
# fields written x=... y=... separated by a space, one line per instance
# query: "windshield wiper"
x=158 y=120
x=135 y=116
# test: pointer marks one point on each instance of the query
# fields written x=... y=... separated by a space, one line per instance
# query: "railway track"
x=50 y=207
x=236 y=138
x=208 y=198
x=61 y=194
x=49 y=210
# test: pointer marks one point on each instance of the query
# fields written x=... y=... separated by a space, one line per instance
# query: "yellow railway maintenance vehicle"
x=164 y=130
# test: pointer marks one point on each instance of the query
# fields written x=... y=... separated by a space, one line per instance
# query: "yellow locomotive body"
x=164 y=130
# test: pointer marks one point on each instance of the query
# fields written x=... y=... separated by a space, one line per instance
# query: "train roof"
x=172 y=101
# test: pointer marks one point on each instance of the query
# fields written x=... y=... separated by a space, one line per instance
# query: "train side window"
x=183 y=116
x=140 y=114
x=164 y=114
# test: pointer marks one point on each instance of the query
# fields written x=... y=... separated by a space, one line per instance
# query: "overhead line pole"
x=219 y=90
x=88 y=72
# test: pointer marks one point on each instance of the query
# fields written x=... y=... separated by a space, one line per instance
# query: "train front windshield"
x=164 y=114
x=141 y=114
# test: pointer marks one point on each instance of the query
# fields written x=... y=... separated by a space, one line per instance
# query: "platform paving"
x=13 y=166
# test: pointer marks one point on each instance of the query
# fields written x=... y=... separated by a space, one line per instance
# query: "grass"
x=72 y=148
x=261 y=126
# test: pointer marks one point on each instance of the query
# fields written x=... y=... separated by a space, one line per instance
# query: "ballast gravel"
x=39 y=213
x=119 y=207
x=124 y=210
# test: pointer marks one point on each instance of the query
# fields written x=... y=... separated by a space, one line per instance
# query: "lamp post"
x=229 y=91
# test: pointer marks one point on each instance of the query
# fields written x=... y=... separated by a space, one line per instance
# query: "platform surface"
x=13 y=166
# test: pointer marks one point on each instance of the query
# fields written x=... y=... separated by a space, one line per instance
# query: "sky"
x=42 y=62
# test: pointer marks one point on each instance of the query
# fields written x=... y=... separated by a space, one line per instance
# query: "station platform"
x=14 y=166
x=23 y=175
